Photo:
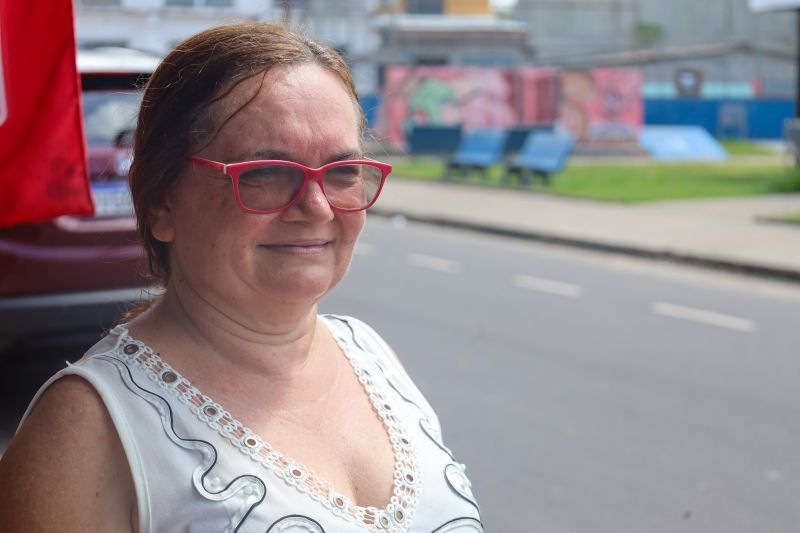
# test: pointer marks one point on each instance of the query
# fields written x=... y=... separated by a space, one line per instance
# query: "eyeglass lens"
x=268 y=187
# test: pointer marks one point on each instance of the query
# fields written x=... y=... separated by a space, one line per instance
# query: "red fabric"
x=43 y=167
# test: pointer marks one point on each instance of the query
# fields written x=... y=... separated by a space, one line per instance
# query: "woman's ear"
x=161 y=224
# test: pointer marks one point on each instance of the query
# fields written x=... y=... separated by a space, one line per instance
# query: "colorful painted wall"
x=599 y=105
x=474 y=97
x=602 y=105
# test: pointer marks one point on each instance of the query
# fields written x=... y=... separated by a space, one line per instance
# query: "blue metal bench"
x=542 y=154
x=433 y=139
x=518 y=134
x=478 y=150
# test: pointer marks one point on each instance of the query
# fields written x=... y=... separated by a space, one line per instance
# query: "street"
x=584 y=392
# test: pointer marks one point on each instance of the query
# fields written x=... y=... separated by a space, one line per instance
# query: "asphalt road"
x=594 y=394
x=585 y=393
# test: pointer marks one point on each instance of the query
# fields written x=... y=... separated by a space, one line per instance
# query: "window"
x=102 y=43
x=291 y=4
x=425 y=7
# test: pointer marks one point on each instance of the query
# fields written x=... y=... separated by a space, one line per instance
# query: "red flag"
x=43 y=167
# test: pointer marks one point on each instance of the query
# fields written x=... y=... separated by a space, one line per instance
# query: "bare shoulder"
x=67 y=466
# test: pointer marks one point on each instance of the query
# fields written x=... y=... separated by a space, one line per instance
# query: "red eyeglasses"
x=270 y=186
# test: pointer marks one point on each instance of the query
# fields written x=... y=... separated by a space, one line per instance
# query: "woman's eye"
x=346 y=170
x=265 y=175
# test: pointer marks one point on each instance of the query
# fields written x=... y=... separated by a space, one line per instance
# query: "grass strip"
x=635 y=183
x=792 y=218
x=742 y=147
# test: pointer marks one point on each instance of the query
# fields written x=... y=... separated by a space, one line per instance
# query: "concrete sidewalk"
x=727 y=233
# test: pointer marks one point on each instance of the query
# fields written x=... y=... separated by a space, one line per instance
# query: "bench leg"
x=544 y=176
x=447 y=168
x=510 y=171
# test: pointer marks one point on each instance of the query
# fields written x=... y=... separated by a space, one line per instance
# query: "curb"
x=737 y=267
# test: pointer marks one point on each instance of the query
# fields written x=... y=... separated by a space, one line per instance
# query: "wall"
x=467 y=7
x=761 y=119
x=150 y=25
x=595 y=106
x=732 y=75
x=470 y=96
x=563 y=32
x=601 y=105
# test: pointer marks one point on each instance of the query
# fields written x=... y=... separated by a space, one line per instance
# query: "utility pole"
x=794 y=129
x=287 y=12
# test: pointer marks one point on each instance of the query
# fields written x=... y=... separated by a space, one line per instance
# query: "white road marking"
x=363 y=248
x=703 y=316
x=559 y=288
x=440 y=264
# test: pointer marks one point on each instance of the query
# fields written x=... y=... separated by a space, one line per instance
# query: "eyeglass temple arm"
x=210 y=164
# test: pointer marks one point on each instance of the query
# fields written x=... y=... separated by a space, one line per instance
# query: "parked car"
x=79 y=273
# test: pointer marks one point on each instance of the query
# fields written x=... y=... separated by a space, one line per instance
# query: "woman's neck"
x=277 y=343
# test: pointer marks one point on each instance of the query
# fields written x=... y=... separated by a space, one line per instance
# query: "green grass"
x=641 y=182
x=793 y=218
x=742 y=147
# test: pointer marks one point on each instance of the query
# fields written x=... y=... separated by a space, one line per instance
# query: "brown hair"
x=174 y=113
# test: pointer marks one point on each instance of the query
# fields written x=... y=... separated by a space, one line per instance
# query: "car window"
x=109 y=115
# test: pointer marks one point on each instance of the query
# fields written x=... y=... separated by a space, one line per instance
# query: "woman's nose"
x=312 y=203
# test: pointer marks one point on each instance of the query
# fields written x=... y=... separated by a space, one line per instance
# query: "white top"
x=196 y=468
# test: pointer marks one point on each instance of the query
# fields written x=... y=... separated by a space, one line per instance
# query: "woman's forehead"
x=300 y=108
x=289 y=88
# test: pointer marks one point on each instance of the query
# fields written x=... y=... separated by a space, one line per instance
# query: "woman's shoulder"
x=67 y=410
x=66 y=463
x=69 y=404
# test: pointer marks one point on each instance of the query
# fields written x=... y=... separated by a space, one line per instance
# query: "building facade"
x=369 y=33
x=721 y=45
x=157 y=25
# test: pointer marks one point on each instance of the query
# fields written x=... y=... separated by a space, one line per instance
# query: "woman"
x=229 y=404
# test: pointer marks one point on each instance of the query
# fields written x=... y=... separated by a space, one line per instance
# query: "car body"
x=73 y=272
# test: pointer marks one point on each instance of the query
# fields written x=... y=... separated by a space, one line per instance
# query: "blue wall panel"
x=764 y=117
x=370 y=104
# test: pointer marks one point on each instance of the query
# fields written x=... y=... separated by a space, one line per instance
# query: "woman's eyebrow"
x=286 y=156
x=264 y=154
x=344 y=156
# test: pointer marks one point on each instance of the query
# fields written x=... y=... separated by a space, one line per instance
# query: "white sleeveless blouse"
x=196 y=468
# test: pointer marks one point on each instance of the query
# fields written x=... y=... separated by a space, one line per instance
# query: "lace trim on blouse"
x=396 y=517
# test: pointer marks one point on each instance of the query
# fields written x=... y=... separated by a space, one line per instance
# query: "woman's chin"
x=301 y=289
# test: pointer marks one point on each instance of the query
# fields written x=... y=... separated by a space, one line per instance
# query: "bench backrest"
x=546 y=151
x=481 y=147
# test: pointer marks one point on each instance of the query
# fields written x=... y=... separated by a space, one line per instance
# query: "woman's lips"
x=299 y=247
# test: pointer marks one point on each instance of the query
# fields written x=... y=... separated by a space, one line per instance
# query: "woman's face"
x=233 y=259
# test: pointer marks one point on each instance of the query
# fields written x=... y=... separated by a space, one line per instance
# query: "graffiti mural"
x=598 y=105
x=473 y=97
x=602 y=105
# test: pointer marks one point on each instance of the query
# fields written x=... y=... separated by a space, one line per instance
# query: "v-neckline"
x=393 y=518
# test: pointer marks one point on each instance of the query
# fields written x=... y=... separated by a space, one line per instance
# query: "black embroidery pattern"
x=457 y=526
x=461 y=484
x=238 y=485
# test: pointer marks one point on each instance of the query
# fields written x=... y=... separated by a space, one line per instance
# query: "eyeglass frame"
x=233 y=170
